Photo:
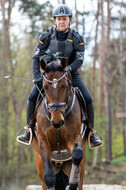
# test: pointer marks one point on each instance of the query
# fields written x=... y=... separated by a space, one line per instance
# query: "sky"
x=16 y=17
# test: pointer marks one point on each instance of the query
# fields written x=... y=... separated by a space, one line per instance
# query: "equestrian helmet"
x=62 y=10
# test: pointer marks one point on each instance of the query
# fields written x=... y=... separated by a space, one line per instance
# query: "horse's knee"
x=49 y=178
x=77 y=154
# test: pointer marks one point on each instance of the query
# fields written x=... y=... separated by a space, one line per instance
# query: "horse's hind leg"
x=77 y=155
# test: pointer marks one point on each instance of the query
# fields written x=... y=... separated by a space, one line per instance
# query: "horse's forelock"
x=54 y=66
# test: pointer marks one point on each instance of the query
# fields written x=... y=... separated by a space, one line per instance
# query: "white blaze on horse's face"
x=54 y=85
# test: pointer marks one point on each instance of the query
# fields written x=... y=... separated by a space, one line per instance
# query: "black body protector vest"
x=61 y=48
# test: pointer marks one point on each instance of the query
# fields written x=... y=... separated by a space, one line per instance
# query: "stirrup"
x=31 y=136
x=92 y=147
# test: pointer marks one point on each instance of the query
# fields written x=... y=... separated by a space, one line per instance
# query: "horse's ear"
x=63 y=63
x=43 y=65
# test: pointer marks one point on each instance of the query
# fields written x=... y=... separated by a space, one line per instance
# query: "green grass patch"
x=118 y=160
x=12 y=188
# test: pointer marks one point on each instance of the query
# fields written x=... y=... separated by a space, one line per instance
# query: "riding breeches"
x=33 y=95
x=78 y=82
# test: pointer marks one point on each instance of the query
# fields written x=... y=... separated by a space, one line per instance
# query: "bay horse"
x=60 y=149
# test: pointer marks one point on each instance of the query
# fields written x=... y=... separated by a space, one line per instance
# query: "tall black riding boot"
x=93 y=140
x=30 y=110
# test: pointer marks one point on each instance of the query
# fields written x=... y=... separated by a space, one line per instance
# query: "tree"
x=63 y=1
x=38 y=14
x=122 y=85
x=76 y=15
x=107 y=89
x=93 y=72
x=6 y=9
x=101 y=60
x=95 y=51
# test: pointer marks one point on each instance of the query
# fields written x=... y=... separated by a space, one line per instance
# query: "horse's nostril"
x=62 y=123
x=57 y=125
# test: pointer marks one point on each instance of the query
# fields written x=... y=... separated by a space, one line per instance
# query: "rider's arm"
x=43 y=43
x=79 y=53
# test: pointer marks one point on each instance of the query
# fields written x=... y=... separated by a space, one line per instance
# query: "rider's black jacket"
x=69 y=45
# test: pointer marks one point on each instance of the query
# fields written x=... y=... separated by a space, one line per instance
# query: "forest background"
x=102 y=23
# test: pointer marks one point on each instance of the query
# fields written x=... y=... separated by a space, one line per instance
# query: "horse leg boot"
x=93 y=139
x=49 y=175
x=77 y=155
x=30 y=111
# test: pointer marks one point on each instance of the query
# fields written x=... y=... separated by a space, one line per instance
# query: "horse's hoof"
x=68 y=188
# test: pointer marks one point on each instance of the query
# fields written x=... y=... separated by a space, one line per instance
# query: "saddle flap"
x=82 y=104
x=61 y=156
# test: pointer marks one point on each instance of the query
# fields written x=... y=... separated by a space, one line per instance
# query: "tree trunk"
x=95 y=54
x=63 y=1
x=76 y=15
x=6 y=68
x=4 y=97
x=107 y=91
x=122 y=85
x=96 y=151
x=101 y=57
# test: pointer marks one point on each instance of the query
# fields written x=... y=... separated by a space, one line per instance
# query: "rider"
x=66 y=42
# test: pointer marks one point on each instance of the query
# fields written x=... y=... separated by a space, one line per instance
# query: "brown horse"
x=60 y=150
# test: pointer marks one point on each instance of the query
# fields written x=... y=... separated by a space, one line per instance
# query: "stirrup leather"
x=89 y=143
x=31 y=136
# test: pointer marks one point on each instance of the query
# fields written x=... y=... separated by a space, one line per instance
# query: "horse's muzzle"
x=58 y=125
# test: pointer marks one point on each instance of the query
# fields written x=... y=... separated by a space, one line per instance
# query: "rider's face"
x=62 y=22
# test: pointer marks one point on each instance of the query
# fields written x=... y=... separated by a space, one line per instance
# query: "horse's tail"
x=61 y=180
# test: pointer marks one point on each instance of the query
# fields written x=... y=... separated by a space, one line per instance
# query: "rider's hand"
x=68 y=68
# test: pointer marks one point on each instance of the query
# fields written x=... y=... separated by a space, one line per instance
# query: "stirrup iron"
x=92 y=147
x=31 y=136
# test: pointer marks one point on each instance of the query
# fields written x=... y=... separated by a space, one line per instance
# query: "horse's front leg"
x=77 y=155
x=49 y=175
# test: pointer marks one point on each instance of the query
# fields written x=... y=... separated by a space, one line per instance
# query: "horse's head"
x=56 y=84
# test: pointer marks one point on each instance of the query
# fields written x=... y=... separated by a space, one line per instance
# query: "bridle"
x=49 y=107
x=56 y=106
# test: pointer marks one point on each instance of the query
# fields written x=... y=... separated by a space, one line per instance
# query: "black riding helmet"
x=62 y=10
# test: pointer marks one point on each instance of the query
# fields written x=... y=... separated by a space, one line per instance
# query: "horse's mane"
x=53 y=62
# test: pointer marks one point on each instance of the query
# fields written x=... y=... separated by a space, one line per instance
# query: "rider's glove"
x=68 y=68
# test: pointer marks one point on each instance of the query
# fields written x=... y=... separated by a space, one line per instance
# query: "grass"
x=12 y=188
x=118 y=160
